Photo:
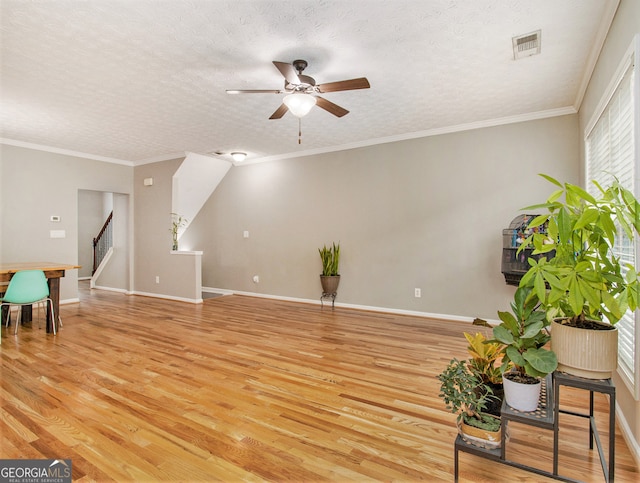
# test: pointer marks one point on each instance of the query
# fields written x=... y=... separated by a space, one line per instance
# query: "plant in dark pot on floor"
x=330 y=277
x=585 y=285
x=524 y=334
x=458 y=389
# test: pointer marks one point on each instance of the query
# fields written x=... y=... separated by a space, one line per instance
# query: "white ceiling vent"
x=526 y=45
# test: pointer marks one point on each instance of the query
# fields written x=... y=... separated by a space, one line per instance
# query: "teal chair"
x=27 y=287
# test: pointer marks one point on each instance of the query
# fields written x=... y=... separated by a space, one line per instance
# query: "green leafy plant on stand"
x=485 y=358
x=484 y=362
x=584 y=280
x=459 y=391
x=524 y=334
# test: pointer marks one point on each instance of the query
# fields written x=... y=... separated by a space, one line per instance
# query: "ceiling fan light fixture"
x=299 y=104
x=238 y=156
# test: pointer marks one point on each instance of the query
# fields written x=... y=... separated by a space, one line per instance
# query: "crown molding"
x=67 y=152
x=562 y=111
x=532 y=116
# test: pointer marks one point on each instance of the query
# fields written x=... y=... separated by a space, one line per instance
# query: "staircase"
x=102 y=243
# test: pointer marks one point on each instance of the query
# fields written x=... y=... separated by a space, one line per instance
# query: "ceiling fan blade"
x=281 y=111
x=288 y=72
x=345 y=85
x=253 y=91
x=329 y=106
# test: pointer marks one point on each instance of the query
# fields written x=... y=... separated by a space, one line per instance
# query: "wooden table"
x=53 y=272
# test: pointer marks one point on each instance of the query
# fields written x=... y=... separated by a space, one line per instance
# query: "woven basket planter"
x=480 y=437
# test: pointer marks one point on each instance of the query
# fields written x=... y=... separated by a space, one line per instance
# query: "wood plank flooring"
x=249 y=389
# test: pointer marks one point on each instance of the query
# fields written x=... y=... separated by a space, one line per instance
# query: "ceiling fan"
x=303 y=91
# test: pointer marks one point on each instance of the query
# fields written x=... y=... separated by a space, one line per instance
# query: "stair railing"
x=102 y=242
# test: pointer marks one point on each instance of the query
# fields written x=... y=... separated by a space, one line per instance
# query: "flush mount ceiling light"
x=238 y=156
x=299 y=104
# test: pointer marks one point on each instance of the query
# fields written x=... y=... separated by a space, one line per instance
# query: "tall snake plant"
x=330 y=259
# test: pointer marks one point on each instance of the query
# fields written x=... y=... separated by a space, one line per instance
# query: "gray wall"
x=38 y=184
x=179 y=274
x=425 y=213
x=626 y=24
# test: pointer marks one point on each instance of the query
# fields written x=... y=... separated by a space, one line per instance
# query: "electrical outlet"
x=417 y=293
x=157 y=279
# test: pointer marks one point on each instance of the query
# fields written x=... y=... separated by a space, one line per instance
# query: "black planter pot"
x=494 y=403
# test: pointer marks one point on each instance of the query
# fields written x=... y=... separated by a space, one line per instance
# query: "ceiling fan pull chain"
x=299 y=130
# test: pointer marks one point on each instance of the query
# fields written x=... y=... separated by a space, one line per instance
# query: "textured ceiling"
x=142 y=80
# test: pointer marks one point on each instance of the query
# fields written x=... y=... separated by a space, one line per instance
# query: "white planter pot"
x=592 y=354
x=523 y=397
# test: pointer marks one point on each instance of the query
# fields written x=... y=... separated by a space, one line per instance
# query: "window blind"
x=610 y=152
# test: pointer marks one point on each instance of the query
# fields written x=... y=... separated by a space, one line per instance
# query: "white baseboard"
x=168 y=297
x=218 y=291
x=70 y=301
x=110 y=289
x=627 y=434
x=429 y=315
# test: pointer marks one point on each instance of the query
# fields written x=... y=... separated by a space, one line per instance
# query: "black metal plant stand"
x=604 y=386
x=331 y=296
x=546 y=416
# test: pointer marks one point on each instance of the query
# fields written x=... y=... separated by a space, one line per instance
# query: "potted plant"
x=458 y=390
x=524 y=334
x=584 y=287
x=484 y=363
x=330 y=277
x=177 y=222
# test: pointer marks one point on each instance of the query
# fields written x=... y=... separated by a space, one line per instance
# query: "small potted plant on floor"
x=330 y=277
x=585 y=287
x=524 y=334
x=458 y=389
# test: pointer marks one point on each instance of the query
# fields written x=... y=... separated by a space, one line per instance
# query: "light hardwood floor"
x=250 y=389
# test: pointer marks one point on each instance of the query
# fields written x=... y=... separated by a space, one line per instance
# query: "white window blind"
x=610 y=151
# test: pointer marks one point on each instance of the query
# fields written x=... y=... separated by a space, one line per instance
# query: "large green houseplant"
x=584 y=285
